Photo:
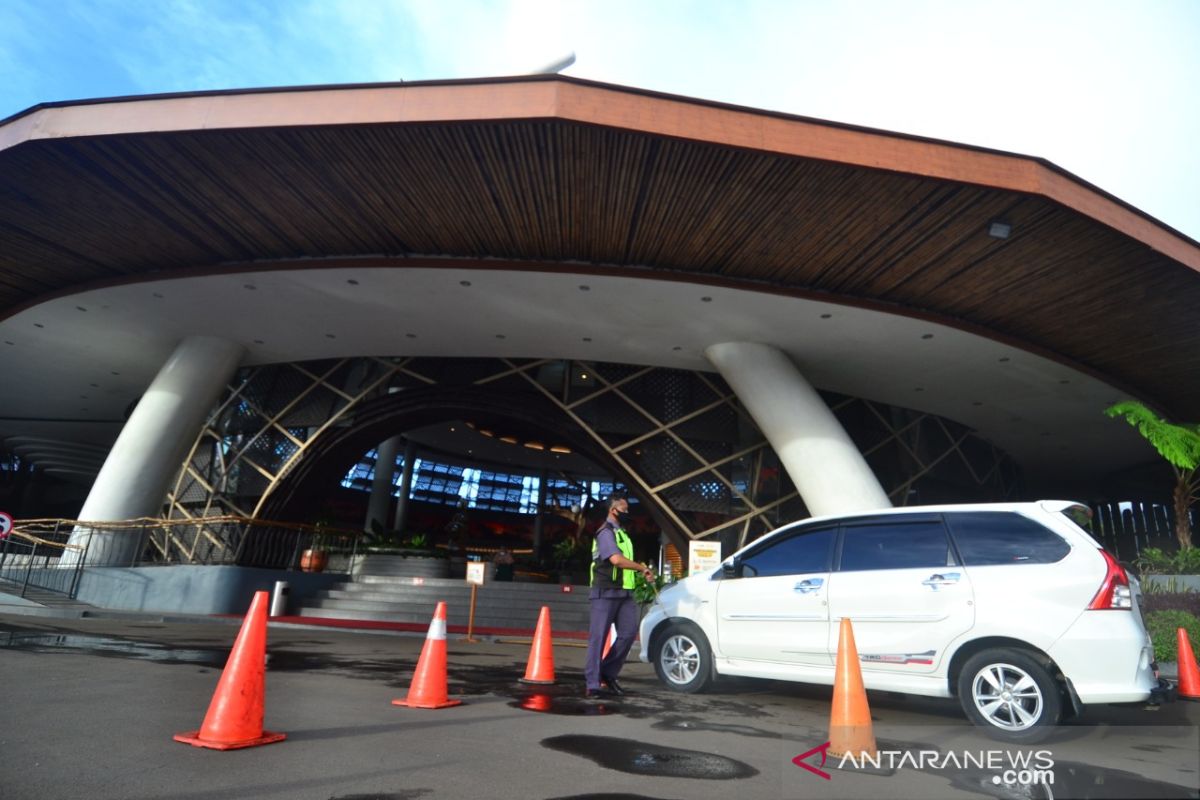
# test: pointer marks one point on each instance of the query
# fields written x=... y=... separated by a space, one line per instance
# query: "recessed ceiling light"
x=585 y=288
x=38 y=325
x=705 y=299
x=558 y=448
x=826 y=316
x=676 y=348
x=116 y=373
x=330 y=336
x=464 y=283
x=1004 y=359
x=535 y=445
x=259 y=341
x=159 y=296
x=410 y=335
x=9 y=343
x=500 y=336
x=81 y=308
x=999 y=229
x=508 y=439
x=919 y=389
x=583 y=376
x=352 y=282
x=587 y=338
x=926 y=335
x=249 y=286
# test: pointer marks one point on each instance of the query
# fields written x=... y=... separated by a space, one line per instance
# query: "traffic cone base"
x=418 y=704
x=850 y=729
x=1189 y=671
x=540 y=669
x=429 y=687
x=235 y=715
x=193 y=738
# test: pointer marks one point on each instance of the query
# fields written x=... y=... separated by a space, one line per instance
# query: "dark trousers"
x=604 y=612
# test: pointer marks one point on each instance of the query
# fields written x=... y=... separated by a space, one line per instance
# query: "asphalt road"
x=89 y=708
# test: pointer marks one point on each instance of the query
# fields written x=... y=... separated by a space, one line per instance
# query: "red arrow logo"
x=799 y=760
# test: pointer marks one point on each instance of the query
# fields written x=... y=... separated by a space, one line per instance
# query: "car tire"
x=682 y=657
x=1011 y=694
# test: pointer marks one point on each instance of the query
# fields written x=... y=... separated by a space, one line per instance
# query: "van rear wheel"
x=1010 y=693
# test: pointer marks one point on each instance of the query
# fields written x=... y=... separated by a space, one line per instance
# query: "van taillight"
x=1114 y=591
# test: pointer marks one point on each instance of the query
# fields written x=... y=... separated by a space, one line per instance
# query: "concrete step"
x=508 y=616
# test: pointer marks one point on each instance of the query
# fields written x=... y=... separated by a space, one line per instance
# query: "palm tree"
x=1180 y=446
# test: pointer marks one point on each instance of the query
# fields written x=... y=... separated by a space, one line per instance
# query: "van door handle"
x=941 y=579
x=810 y=585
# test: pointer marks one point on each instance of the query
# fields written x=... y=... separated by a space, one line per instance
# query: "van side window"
x=805 y=552
x=987 y=538
x=895 y=545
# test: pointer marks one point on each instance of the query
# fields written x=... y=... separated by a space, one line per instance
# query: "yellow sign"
x=703 y=556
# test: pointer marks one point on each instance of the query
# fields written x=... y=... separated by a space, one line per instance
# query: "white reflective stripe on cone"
x=437 y=629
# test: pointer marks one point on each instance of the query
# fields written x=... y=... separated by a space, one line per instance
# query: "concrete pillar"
x=543 y=490
x=410 y=458
x=380 y=502
x=151 y=447
x=819 y=456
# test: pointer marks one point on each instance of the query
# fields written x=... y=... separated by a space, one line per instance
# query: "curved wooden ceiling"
x=558 y=172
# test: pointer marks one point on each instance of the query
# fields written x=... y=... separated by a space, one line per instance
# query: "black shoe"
x=612 y=685
x=593 y=694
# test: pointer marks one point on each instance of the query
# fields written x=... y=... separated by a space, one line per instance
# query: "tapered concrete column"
x=380 y=504
x=151 y=447
x=819 y=456
x=410 y=458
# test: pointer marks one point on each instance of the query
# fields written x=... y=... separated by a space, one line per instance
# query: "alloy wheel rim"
x=1007 y=697
x=680 y=659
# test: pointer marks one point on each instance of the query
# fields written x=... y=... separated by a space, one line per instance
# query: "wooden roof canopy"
x=560 y=173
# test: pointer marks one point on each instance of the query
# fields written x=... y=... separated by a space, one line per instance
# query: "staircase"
x=412 y=599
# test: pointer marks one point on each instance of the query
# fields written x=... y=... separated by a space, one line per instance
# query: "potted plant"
x=316 y=556
x=565 y=553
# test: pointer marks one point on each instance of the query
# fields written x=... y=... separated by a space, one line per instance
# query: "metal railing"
x=37 y=553
x=23 y=551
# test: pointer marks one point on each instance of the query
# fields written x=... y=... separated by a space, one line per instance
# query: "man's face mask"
x=623 y=518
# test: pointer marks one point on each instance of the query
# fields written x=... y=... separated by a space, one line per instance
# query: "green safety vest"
x=628 y=579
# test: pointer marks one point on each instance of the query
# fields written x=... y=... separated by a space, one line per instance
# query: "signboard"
x=476 y=571
x=5 y=525
x=703 y=556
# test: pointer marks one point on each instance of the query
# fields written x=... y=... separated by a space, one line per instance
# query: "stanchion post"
x=471 y=615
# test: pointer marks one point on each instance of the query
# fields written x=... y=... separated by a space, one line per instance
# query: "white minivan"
x=1011 y=607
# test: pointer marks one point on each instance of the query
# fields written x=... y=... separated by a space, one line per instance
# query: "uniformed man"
x=614 y=574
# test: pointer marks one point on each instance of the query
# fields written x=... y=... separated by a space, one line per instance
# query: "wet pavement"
x=90 y=706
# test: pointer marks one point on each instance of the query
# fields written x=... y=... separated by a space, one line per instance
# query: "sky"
x=1108 y=90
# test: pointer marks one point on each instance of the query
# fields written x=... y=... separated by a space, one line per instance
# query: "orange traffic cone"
x=612 y=637
x=1189 y=673
x=850 y=720
x=541 y=656
x=235 y=715
x=429 y=686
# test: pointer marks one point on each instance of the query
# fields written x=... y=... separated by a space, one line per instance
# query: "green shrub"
x=1156 y=561
x=1163 y=626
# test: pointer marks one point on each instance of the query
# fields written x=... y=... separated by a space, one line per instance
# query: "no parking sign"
x=5 y=525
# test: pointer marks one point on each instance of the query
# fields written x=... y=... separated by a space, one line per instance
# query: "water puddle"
x=107 y=646
x=562 y=705
x=642 y=758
